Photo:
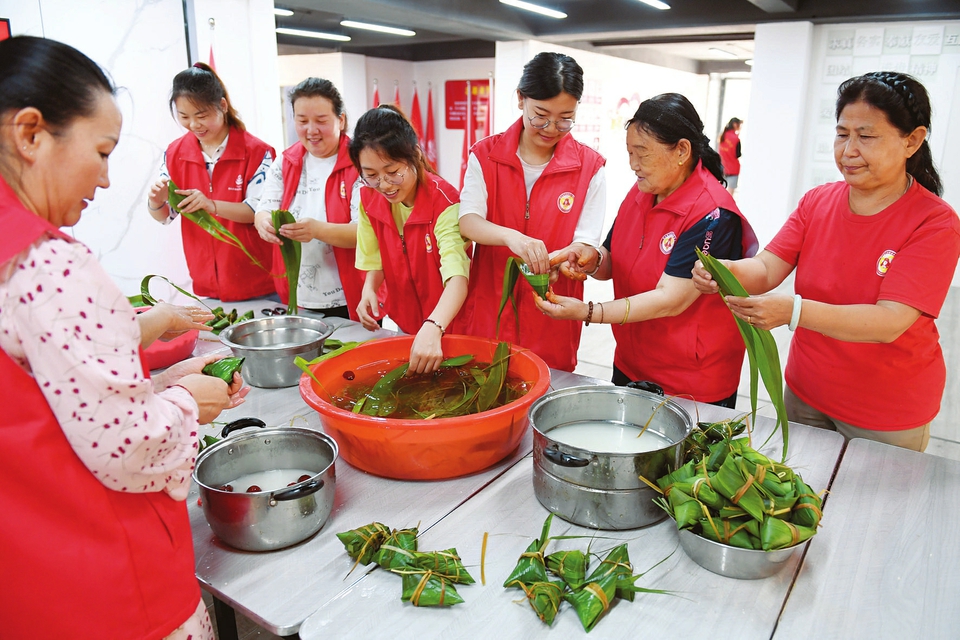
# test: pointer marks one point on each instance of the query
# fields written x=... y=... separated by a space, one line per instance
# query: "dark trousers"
x=620 y=379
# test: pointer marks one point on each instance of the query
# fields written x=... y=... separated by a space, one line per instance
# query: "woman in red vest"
x=666 y=332
x=408 y=236
x=317 y=183
x=110 y=549
x=730 y=153
x=874 y=256
x=220 y=168
x=529 y=192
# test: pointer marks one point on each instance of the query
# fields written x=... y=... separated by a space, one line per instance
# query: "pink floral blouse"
x=66 y=323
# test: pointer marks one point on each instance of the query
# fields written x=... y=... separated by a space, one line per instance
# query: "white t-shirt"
x=319 y=286
x=473 y=198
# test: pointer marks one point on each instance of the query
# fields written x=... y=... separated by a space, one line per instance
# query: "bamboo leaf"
x=761 y=349
x=510 y=275
x=151 y=301
x=291 y=250
x=497 y=373
x=457 y=361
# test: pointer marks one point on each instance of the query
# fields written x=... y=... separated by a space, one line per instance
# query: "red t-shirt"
x=907 y=253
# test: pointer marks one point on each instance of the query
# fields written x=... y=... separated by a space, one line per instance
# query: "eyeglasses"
x=393 y=177
x=563 y=125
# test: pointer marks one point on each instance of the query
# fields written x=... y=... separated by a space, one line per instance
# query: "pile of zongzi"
x=728 y=492
x=428 y=576
x=590 y=595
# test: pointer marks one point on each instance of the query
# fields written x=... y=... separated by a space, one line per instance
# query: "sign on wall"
x=4 y=28
x=455 y=92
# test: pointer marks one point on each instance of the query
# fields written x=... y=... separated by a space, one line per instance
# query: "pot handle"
x=645 y=385
x=299 y=491
x=241 y=423
x=564 y=459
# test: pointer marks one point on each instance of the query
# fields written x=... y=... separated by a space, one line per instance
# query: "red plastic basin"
x=424 y=449
x=160 y=354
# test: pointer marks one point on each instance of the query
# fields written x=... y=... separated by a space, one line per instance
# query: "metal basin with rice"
x=271 y=344
x=286 y=509
x=589 y=454
x=734 y=562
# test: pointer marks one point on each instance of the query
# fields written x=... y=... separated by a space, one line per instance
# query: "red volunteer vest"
x=339 y=188
x=110 y=564
x=411 y=260
x=700 y=351
x=218 y=269
x=551 y=215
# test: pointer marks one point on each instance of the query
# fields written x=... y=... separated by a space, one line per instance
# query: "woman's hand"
x=530 y=250
x=303 y=231
x=369 y=310
x=426 y=354
x=212 y=394
x=561 y=307
x=194 y=201
x=763 y=312
x=576 y=261
x=702 y=279
x=158 y=194
x=178 y=319
x=263 y=222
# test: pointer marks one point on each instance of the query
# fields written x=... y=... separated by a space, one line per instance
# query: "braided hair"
x=907 y=106
x=670 y=118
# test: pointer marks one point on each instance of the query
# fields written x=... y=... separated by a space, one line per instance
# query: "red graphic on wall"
x=4 y=28
x=455 y=92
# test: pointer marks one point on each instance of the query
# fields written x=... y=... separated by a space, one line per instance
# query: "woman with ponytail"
x=875 y=255
x=666 y=332
x=220 y=168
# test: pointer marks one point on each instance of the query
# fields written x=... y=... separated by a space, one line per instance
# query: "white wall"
x=142 y=46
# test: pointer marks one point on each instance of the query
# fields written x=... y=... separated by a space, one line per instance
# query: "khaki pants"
x=799 y=411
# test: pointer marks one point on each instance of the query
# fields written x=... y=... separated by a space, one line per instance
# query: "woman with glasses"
x=666 y=332
x=408 y=236
x=317 y=183
x=530 y=192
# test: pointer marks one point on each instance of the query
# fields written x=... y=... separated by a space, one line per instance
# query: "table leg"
x=226 y=620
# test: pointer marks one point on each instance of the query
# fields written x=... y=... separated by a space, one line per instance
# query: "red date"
x=348 y=375
x=303 y=477
x=226 y=487
x=253 y=489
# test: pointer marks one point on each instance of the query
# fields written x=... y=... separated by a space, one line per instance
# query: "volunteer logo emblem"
x=565 y=202
x=239 y=180
x=667 y=242
x=428 y=242
x=343 y=189
x=883 y=263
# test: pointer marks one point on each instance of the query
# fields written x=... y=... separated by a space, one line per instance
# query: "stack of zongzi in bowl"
x=739 y=513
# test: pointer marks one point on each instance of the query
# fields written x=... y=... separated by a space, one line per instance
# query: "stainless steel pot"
x=601 y=489
x=271 y=344
x=267 y=520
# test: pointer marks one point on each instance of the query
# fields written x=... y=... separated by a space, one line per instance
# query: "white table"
x=279 y=589
x=885 y=563
x=705 y=604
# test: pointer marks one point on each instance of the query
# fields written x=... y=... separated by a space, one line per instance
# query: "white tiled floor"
x=596 y=360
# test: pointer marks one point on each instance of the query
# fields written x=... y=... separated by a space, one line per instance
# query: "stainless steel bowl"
x=271 y=344
x=734 y=562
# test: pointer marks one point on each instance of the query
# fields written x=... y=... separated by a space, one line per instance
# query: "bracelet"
x=599 y=262
x=589 y=314
x=627 y=314
x=149 y=206
x=214 y=203
x=795 y=316
x=436 y=324
x=601 y=312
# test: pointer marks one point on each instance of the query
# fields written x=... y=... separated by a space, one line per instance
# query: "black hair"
x=319 y=88
x=670 y=118
x=549 y=74
x=386 y=130
x=56 y=79
x=907 y=106
x=731 y=126
x=201 y=85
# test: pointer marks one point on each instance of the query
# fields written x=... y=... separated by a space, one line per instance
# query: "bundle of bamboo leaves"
x=762 y=352
x=428 y=577
x=728 y=492
x=590 y=595
x=221 y=318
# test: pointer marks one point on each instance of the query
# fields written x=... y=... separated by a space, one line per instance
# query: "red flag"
x=469 y=133
x=376 y=95
x=211 y=63
x=396 y=94
x=415 y=119
x=430 y=143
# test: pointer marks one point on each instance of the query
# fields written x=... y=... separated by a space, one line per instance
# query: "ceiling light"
x=313 y=34
x=527 y=6
x=656 y=4
x=377 y=27
x=286 y=13
x=724 y=52
x=748 y=62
